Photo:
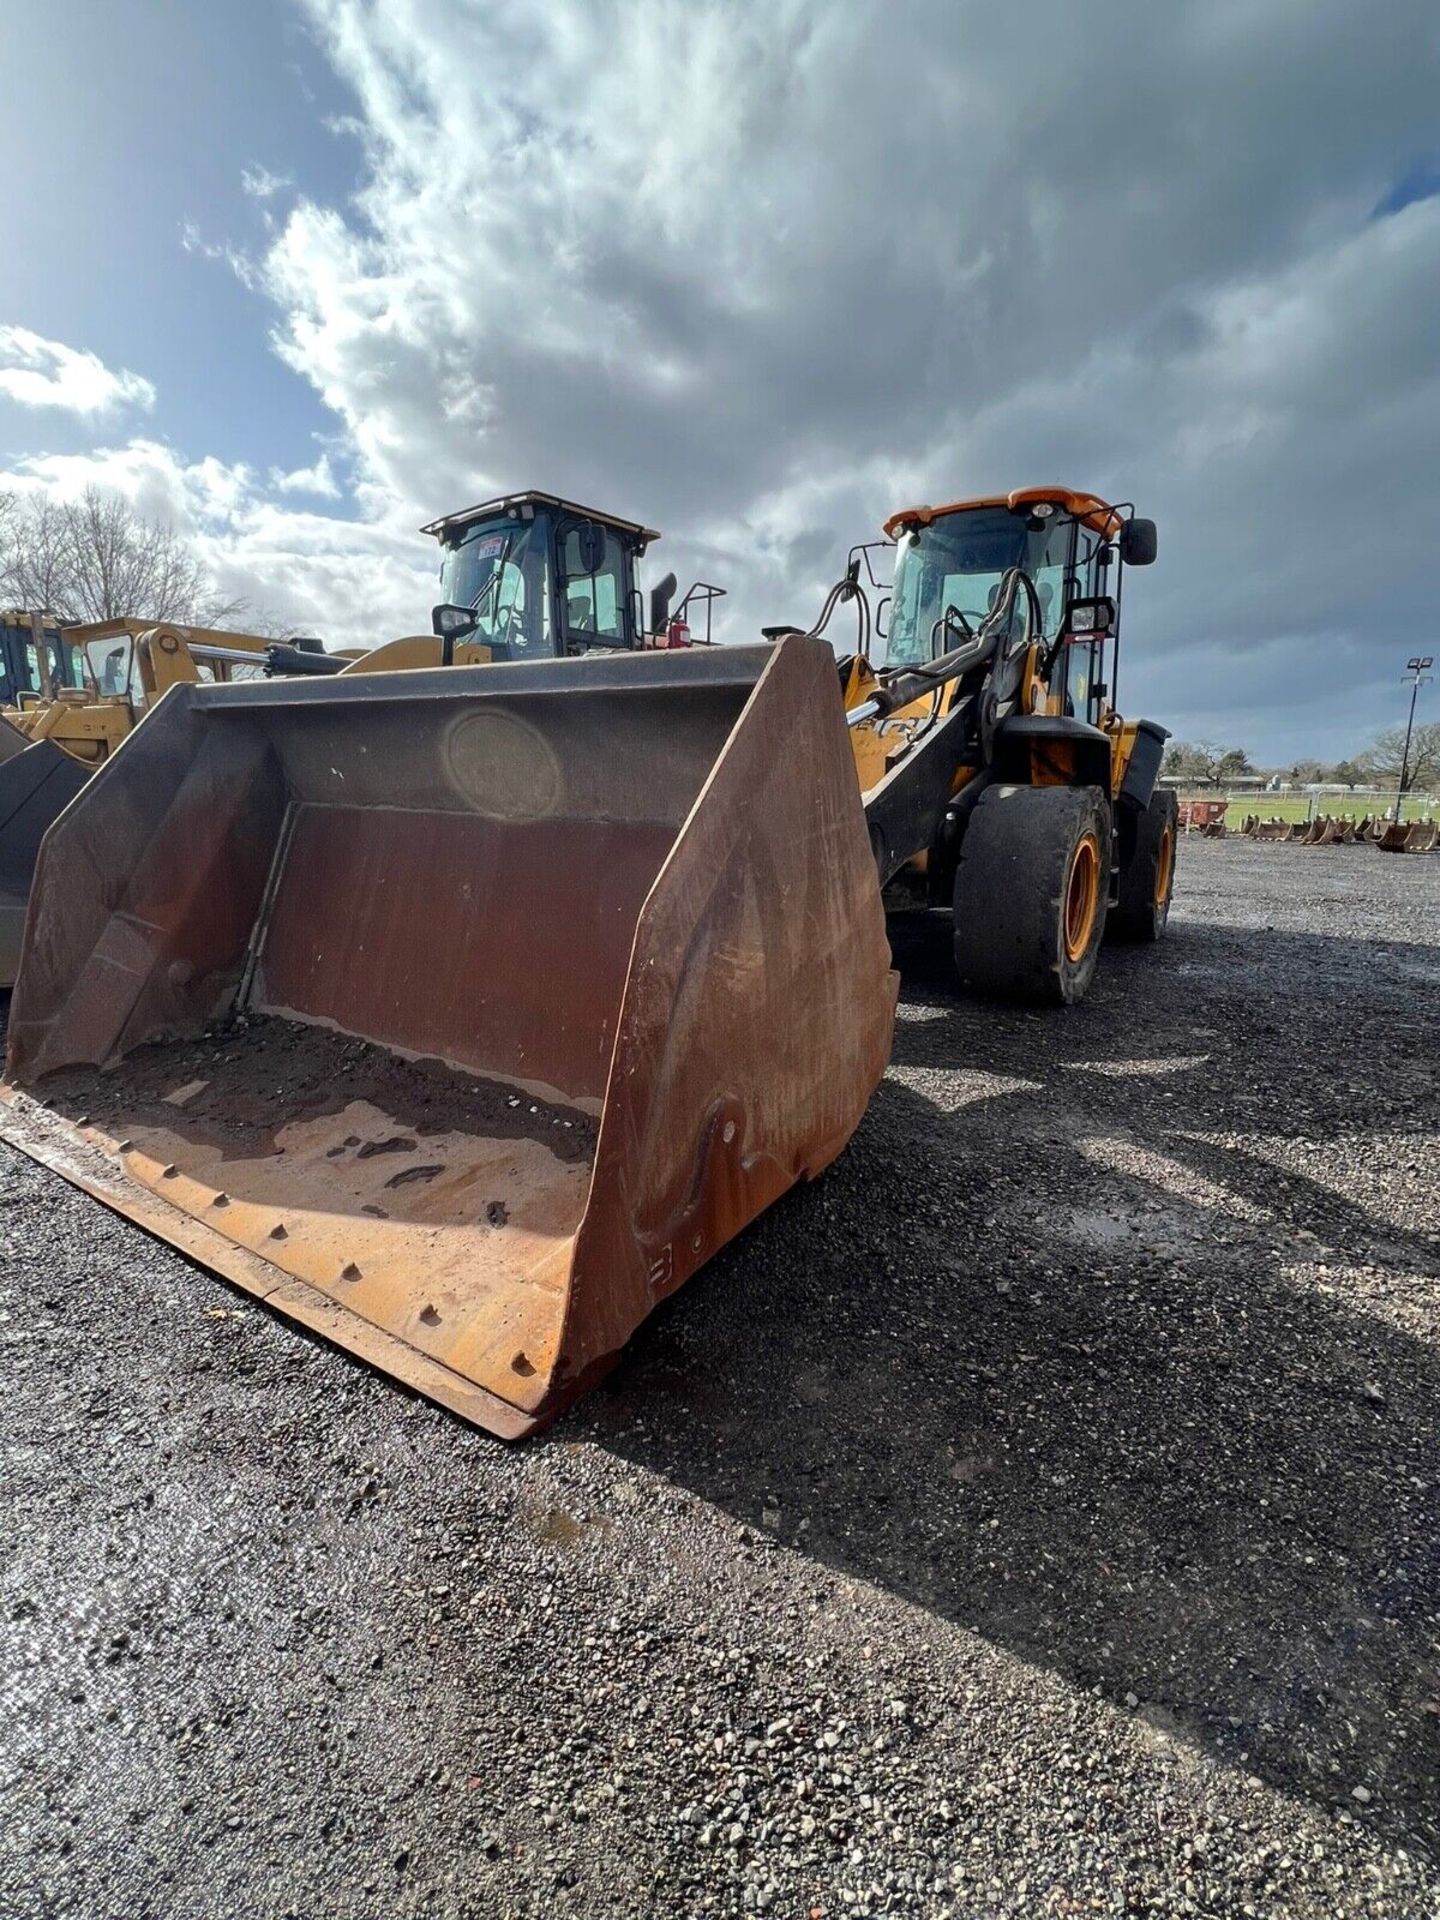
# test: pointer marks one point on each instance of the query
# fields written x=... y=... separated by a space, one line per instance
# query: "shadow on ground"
x=1038 y=1358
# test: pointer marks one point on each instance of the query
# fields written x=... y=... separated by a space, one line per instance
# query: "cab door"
x=595 y=608
x=1084 y=664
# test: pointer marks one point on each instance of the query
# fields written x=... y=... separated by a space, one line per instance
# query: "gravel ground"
x=1037 y=1515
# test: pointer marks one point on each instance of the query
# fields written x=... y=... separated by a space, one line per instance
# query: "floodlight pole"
x=1418 y=678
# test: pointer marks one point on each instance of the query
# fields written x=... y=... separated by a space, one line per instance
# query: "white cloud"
x=36 y=372
x=352 y=582
x=763 y=271
x=316 y=479
x=261 y=184
x=220 y=251
x=760 y=271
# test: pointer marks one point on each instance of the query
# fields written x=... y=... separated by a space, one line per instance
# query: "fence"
x=1348 y=804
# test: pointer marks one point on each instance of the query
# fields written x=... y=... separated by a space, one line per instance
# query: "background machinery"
x=110 y=671
x=34 y=657
x=77 y=693
x=530 y=576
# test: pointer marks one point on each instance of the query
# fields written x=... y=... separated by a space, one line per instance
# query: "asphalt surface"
x=1037 y=1515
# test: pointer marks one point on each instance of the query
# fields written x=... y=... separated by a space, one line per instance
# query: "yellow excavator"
x=120 y=667
x=461 y=1014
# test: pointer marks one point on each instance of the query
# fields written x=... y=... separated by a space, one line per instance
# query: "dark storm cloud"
x=760 y=273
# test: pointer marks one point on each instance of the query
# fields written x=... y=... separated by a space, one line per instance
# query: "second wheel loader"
x=1001 y=786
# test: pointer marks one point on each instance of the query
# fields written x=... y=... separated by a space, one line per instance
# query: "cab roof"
x=1088 y=508
x=507 y=503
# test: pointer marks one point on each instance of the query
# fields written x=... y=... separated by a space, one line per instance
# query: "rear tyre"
x=1147 y=877
x=1031 y=890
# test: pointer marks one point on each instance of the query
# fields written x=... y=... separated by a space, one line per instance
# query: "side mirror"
x=661 y=595
x=449 y=622
x=590 y=545
x=1138 y=543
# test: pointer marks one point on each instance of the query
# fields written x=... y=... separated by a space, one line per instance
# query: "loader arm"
x=906 y=809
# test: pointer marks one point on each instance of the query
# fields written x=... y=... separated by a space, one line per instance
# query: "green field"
x=1304 y=806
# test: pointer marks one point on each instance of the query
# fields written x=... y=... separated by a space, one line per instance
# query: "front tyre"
x=1031 y=889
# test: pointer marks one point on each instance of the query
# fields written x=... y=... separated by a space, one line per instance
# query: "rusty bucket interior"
x=461 y=1014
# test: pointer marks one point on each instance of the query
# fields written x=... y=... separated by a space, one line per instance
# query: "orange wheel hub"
x=1082 y=897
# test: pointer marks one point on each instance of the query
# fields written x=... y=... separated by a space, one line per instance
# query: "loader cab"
x=534 y=577
x=950 y=562
x=21 y=680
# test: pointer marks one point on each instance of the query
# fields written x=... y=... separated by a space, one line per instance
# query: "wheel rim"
x=1082 y=897
x=1164 y=866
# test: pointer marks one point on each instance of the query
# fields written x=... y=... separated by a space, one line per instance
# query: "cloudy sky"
x=301 y=274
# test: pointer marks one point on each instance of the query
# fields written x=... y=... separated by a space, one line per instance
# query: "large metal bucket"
x=38 y=780
x=461 y=1014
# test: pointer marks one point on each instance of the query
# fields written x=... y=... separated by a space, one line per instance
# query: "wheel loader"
x=1001 y=786
x=461 y=1014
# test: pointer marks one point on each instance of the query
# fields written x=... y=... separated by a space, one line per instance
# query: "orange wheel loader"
x=1002 y=789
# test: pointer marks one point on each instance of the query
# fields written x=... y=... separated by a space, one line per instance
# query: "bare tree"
x=34 y=553
x=1381 y=761
x=97 y=558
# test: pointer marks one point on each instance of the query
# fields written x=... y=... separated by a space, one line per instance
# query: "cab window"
x=593 y=602
x=33 y=665
x=1080 y=679
x=960 y=561
x=500 y=568
x=110 y=663
x=58 y=675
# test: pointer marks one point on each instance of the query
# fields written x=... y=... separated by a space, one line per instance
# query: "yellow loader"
x=461 y=1014
x=77 y=693
x=1001 y=786
x=94 y=686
